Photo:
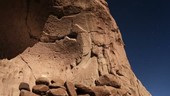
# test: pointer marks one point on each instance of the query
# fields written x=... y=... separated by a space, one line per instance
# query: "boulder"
x=70 y=88
x=82 y=89
x=40 y=89
x=24 y=86
x=26 y=93
x=57 y=92
x=104 y=91
x=109 y=80
x=54 y=86
x=42 y=80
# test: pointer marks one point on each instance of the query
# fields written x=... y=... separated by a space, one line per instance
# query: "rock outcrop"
x=71 y=40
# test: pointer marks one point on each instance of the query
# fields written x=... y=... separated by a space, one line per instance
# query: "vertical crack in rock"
x=28 y=66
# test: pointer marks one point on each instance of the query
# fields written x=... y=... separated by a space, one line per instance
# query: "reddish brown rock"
x=104 y=91
x=40 y=89
x=70 y=88
x=41 y=81
x=109 y=80
x=24 y=86
x=57 y=92
x=26 y=93
x=54 y=86
x=101 y=91
x=82 y=89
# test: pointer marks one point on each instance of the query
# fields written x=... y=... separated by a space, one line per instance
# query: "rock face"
x=74 y=40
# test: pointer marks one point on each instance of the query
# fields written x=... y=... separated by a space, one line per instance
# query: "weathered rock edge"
x=75 y=40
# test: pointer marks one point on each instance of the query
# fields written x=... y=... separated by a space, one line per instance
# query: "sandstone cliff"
x=75 y=40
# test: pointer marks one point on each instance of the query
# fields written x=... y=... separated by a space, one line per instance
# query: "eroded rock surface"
x=74 y=40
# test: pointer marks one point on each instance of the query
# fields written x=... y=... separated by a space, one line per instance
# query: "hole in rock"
x=20 y=21
x=73 y=35
x=93 y=54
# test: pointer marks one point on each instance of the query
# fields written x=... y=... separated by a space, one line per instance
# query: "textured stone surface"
x=40 y=89
x=82 y=89
x=57 y=92
x=102 y=91
x=74 y=40
x=109 y=80
x=70 y=88
x=54 y=86
x=58 y=82
x=42 y=81
x=26 y=93
x=24 y=86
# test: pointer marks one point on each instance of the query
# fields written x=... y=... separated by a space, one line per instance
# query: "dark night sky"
x=145 y=26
